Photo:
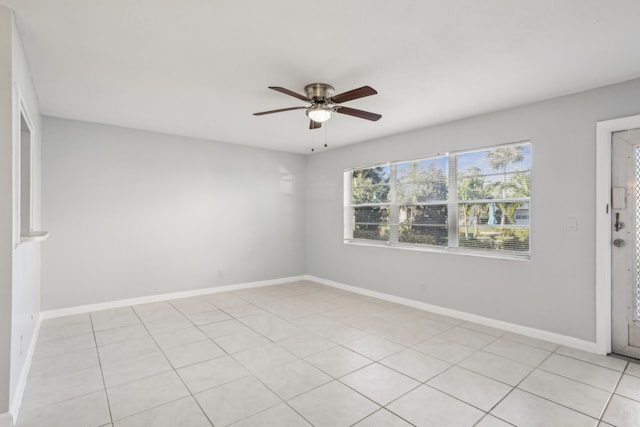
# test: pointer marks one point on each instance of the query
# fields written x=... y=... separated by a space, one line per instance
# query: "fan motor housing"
x=319 y=91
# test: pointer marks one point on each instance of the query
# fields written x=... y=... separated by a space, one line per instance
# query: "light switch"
x=572 y=223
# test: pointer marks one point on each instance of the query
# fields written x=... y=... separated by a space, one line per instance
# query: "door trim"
x=604 y=131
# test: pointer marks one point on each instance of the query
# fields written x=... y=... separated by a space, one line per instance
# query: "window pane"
x=423 y=224
x=370 y=185
x=498 y=226
x=423 y=180
x=503 y=172
x=371 y=214
x=371 y=231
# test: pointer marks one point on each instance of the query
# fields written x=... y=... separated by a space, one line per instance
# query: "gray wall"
x=134 y=213
x=555 y=290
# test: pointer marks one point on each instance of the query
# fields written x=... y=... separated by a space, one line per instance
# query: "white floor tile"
x=379 y=383
x=192 y=305
x=114 y=318
x=622 y=412
x=205 y=317
x=134 y=368
x=63 y=346
x=428 y=407
x=212 y=373
x=61 y=387
x=404 y=334
x=629 y=387
x=243 y=310
x=467 y=337
x=416 y=365
x=306 y=345
x=373 y=347
x=223 y=328
x=333 y=405
x=472 y=388
x=163 y=326
x=596 y=359
x=184 y=412
x=87 y=410
x=264 y=357
x=127 y=349
x=483 y=329
x=338 y=361
x=51 y=331
x=515 y=351
x=180 y=337
x=633 y=369
x=294 y=378
x=114 y=335
x=575 y=395
x=496 y=367
x=234 y=401
x=382 y=418
x=138 y=396
x=241 y=341
x=526 y=410
x=446 y=350
x=63 y=363
x=277 y=416
x=584 y=372
x=155 y=311
x=491 y=421
x=533 y=342
x=195 y=352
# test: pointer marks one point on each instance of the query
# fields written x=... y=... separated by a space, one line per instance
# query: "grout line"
x=104 y=384
x=606 y=406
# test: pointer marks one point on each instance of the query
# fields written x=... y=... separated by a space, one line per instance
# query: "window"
x=465 y=201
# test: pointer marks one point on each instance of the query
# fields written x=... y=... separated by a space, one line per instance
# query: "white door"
x=625 y=253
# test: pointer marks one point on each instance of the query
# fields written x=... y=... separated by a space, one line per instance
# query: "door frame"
x=604 y=132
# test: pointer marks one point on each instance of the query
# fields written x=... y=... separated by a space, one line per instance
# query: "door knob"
x=618 y=243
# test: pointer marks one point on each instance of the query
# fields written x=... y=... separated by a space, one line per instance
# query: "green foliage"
x=371 y=232
x=424 y=236
x=370 y=185
x=422 y=183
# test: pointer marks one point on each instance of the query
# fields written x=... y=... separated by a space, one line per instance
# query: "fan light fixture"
x=319 y=113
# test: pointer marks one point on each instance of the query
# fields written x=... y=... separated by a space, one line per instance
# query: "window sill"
x=34 y=236
x=456 y=251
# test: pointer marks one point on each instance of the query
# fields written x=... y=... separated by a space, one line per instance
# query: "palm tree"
x=499 y=160
x=472 y=187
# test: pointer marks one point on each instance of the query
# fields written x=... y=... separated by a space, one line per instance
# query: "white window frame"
x=452 y=203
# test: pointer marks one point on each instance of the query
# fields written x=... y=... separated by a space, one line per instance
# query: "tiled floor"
x=305 y=354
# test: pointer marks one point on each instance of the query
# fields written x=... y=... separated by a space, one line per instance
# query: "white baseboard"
x=16 y=399
x=50 y=314
x=553 y=337
x=6 y=420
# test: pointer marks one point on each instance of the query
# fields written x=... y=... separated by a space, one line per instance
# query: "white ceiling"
x=201 y=67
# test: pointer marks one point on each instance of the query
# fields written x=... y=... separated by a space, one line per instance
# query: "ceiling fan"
x=324 y=103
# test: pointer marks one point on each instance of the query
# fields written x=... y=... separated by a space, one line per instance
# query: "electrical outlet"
x=220 y=274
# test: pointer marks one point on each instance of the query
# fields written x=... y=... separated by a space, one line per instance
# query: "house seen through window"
x=467 y=201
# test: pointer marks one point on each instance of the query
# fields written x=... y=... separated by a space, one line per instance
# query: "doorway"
x=625 y=254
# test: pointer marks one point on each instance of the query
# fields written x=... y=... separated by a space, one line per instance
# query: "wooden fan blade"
x=353 y=94
x=278 y=111
x=290 y=93
x=358 y=113
x=314 y=125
